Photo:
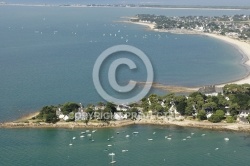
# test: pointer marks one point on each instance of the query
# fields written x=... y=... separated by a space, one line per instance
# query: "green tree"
x=202 y=115
x=71 y=116
x=70 y=107
x=233 y=109
x=181 y=104
x=48 y=114
x=110 y=107
x=220 y=113
x=210 y=105
x=230 y=119
x=189 y=110
x=214 y=118
x=133 y=113
x=90 y=113
x=217 y=116
x=248 y=118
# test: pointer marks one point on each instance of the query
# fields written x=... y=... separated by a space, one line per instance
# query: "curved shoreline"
x=241 y=46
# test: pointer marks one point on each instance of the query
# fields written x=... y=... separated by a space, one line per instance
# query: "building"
x=120 y=116
x=59 y=112
x=173 y=111
x=81 y=115
x=244 y=113
x=122 y=107
x=209 y=114
x=65 y=118
x=210 y=90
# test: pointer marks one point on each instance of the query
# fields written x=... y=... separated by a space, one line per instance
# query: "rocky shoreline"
x=112 y=124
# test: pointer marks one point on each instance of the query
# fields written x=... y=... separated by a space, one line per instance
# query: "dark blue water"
x=47 y=54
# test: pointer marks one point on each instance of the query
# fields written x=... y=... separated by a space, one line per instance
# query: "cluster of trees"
x=48 y=114
x=234 y=98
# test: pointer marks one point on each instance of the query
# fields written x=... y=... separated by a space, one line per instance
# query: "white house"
x=99 y=108
x=66 y=117
x=61 y=116
x=120 y=116
x=209 y=114
x=244 y=113
x=58 y=112
x=172 y=110
x=163 y=103
x=149 y=102
x=122 y=107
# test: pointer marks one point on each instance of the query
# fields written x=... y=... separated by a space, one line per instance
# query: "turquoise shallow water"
x=51 y=147
x=47 y=54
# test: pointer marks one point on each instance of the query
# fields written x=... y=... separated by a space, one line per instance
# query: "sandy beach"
x=242 y=46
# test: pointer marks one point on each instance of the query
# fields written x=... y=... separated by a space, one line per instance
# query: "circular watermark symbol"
x=112 y=74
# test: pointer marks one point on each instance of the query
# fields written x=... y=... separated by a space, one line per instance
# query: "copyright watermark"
x=112 y=74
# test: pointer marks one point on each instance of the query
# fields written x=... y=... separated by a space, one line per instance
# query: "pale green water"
x=51 y=147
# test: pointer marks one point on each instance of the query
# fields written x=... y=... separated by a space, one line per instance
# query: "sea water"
x=51 y=147
x=47 y=55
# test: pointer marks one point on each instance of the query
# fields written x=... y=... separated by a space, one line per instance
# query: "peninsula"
x=225 y=110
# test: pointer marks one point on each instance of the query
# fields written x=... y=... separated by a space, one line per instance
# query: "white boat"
x=169 y=138
x=74 y=138
x=81 y=136
x=166 y=137
x=109 y=145
x=117 y=133
x=192 y=133
x=89 y=135
x=150 y=139
x=226 y=139
x=87 y=131
x=83 y=132
x=112 y=137
x=93 y=131
x=70 y=144
x=108 y=139
x=188 y=137
x=124 y=150
x=203 y=134
x=216 y=148
x=136 y=132
x=184 y=139
x=127 y=136
x=154 y=132
x=112 y=161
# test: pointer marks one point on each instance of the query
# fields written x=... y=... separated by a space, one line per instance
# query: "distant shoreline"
x=242 y=47
x=161 y=7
